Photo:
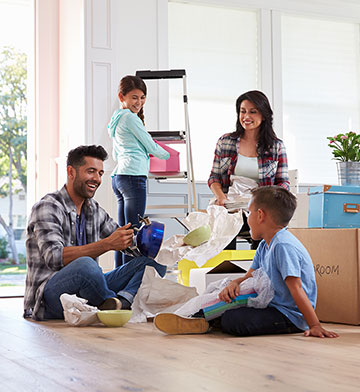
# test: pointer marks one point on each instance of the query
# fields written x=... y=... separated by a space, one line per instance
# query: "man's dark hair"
x=277 y=200
x=76 y=156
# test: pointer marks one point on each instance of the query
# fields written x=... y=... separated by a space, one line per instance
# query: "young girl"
x=132 y=145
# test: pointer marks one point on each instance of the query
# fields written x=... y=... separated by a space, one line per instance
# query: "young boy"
x=289 y=267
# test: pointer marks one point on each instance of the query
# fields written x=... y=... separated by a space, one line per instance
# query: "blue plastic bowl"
x=149 y=239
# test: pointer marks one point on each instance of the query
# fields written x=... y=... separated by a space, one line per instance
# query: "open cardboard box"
x=336 y=257
x=185 y=265
x=202 y=277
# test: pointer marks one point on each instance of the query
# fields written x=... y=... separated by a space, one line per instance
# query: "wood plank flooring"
x=51 y=356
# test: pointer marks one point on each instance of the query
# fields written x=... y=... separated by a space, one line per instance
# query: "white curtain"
x=321 y=91
x=218 y=47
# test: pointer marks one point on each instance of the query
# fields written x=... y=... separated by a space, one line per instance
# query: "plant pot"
x=349 y=173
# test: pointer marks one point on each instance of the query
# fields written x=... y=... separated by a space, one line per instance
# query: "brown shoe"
x=110 y=304
x=173 y=324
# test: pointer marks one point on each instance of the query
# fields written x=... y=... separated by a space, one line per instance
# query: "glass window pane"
x=321 y=91
x=15 y=46
x=218 y=49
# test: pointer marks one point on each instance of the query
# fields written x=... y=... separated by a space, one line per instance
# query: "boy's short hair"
x=277 y=200
x=76 y=156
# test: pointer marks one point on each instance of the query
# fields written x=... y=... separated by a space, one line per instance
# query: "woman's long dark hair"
x=267 y=135
x=129 y=83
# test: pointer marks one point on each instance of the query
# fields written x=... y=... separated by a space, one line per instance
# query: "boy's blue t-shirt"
x=286 y=256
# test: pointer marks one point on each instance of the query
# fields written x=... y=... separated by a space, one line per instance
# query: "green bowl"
x=114 y=318
x=198 y=236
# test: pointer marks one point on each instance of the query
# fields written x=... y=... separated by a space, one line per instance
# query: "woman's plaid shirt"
x=273 y=166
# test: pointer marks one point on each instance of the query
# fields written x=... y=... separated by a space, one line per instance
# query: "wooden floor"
x=51 y=356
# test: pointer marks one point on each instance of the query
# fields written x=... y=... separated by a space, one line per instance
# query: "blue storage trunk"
x=332 y=206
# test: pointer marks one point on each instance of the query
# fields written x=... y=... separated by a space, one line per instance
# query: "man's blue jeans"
x=130 y=192
x=85 y=278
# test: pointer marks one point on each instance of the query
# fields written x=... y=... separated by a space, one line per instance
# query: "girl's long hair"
x=267 y=136
x=129 y=83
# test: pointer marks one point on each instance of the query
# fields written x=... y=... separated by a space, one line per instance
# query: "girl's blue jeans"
x=85 y=278
x=130 y=192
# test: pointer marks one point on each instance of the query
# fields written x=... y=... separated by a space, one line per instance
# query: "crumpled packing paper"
x=224 y=227
x=195 y=304
x=158 y=294
x=259 y=282
x=239 y=193
x=76 y=311
x=241 y=187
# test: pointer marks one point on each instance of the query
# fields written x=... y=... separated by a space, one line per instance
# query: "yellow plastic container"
x=185 y=265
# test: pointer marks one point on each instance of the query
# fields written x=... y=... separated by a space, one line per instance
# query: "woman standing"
x=132 y=145
x=252 y=151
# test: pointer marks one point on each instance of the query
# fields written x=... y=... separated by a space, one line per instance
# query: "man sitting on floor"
x=289 y=268
x=66 y=233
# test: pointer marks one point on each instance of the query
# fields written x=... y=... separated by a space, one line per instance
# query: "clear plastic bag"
x=259 y=282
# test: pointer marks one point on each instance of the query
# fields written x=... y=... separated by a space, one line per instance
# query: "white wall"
x=44 y=142
x=72 y=95
x=84 y=47
x=121 y=38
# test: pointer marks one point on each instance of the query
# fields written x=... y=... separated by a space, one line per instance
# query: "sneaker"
x=173 y=324
x=110 y=304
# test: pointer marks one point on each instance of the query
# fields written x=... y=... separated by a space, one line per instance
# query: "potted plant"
x=346 y=150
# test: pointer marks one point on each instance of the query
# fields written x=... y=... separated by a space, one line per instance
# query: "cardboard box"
x=333 y=206
x=202 y=277
x=171 y=165
x=336 y=257
x=185 y=265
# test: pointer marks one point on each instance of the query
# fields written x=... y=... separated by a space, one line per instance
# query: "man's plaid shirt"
x=51 y=227
x=273 y=166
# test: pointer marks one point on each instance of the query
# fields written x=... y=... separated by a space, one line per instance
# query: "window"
x=321 y=91
x=218 y=48
x=16 y=44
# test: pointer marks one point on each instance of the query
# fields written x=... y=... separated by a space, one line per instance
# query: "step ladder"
x=174 y=137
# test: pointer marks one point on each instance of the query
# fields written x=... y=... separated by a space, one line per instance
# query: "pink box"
x=171 y=165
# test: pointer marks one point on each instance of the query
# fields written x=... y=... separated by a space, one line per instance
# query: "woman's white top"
x=247 y=167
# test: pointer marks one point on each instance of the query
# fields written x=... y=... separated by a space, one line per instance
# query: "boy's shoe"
x=110 y=304
x=173 y=324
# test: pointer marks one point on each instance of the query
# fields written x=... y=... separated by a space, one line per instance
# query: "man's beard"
x=83 y=190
